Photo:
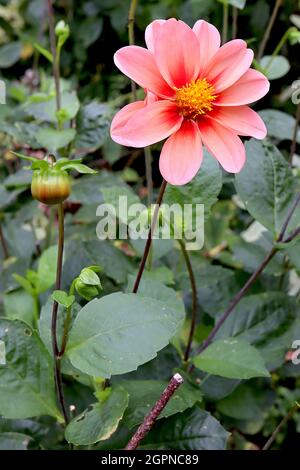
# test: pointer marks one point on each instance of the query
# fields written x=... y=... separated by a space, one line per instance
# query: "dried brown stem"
x=150 y=419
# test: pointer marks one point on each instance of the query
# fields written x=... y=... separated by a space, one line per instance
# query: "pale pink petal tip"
x=181 y=155
x=224 y=145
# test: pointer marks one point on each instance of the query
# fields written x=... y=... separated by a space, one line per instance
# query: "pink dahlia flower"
x=197 y=93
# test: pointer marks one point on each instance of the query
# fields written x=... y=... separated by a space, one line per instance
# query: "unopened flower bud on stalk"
x=50 y=186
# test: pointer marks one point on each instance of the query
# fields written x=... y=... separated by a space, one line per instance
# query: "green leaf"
x=2 y=353
x=54 y=139
x=63 y=298
x=42 y=106
x=44 y=323
x=88 y=276
x=235 y=3
x=26 y=386
x=144 y=394
x=80 y=167
x=193 y=430
x=23 y=282
x=99 y=421
x=247 y=402
x=10 y=54
x=203 y=189
x=19 y=305
x=266 y=321
x=275 y=67
x=43 y=51
x=47 y=269
x=93 y=123
x=99 y=339
x=85 y=253
x=14 y=441
x=267 y=187
x=232 y=358
x=24 y=157
x=89 y=31
x=279 y=124
x=112 y=195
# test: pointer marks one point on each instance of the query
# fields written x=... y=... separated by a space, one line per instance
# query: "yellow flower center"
x=195 y=99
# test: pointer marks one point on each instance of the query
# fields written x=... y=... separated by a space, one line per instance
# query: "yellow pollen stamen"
x=195 y=99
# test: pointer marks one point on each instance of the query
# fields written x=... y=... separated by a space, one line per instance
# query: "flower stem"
x=67 y=323
x=194 y=299
x=268 y=30
x=148 y=162
x=56 y=356
x=294 y=139
x=150 y=419
x=56 y=72
x=283 y=422
x=238 y=297
x=278 y=47
x=149 y=238
x=234 y=22
x=131 y=38
x=3 y=244
x=225 y=22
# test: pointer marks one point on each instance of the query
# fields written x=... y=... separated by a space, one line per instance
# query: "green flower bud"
x=50 y=186
x=62 y=29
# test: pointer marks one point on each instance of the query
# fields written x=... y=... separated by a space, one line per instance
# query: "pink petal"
x=177 y=53
x=148 y=125
x=223 y=144
x=181 y=155
x=139 y=65
x=209 y=41
x=240 y=119
x=252 y=86
x=123 y=116
x=230 y=62
x=152 y=32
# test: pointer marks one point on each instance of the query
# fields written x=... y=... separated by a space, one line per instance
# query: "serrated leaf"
x=195 y=429
x=143 y=394
x=265 y=320
x=232 y=358
x=54 y=139
x=99 y=421
x=26 y=386
x=203 y=189
x=267 y=187
x=99 y=339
